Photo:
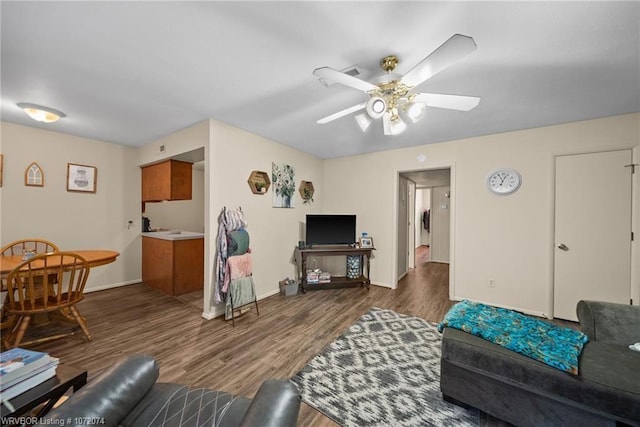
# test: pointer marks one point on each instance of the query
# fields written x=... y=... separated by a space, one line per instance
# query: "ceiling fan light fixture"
x=392 y=124
x=41 y=113
x=363 y=121
x=397 y=126
x=415 y=111
x=376 y=107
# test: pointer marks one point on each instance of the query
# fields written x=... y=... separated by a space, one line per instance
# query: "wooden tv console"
x=336 y=282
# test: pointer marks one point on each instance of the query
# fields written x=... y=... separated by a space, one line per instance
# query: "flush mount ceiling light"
x=41 y=113
x=392 y=94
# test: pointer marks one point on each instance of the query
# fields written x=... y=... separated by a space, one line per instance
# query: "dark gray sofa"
x=127 y=395
x=526 y=392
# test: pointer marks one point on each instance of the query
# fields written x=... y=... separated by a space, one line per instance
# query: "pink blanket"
x=238 y=266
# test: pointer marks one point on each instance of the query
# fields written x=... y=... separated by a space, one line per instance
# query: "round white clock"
x=503 y=181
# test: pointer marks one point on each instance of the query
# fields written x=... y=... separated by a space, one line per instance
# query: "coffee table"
x=49 y=391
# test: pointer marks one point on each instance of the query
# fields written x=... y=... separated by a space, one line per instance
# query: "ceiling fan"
x=392 y=93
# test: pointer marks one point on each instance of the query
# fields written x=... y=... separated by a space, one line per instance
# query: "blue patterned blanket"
x=556 y=346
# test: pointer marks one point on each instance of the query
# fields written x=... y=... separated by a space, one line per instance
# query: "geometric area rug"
x=384 y=370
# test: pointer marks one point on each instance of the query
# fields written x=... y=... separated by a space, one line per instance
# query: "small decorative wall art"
x=284 y=185
x=259 y=182
x=33 y=176
x=306 y=191
x=81 y=178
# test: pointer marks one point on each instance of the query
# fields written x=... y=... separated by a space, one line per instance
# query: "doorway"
x=424 y=218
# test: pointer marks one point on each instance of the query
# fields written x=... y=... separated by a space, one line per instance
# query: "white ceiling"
x=132 y=72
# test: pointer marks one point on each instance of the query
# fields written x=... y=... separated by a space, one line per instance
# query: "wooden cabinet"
x=168 y=180
x=174 y=267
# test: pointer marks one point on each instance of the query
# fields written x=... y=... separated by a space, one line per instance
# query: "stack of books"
x=21 y=370
x=324 y=277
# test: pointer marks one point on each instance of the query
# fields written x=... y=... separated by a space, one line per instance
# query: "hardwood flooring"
x=276 y=344
x=422 y=254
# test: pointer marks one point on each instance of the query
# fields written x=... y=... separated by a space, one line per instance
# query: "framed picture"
x=81 y=178
x=366 y=242
x=33 y=176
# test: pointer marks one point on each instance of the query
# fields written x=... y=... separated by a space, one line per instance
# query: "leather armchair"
x=127 y=395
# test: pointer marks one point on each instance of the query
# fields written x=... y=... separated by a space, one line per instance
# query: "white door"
x=592 y=230
x=440 y=224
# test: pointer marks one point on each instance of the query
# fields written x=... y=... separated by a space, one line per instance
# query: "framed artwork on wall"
x=284 y=185
x=81 y=178
x=34 y=176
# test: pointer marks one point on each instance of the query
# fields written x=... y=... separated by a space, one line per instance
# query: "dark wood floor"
x=276 y=344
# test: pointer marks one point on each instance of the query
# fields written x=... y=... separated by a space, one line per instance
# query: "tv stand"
x=336 y=282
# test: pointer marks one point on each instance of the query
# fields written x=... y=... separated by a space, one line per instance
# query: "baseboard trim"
x=111 y=285
x=384 y=285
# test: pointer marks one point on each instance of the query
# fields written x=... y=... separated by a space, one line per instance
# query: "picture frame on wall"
x=81 y=178
x=34 y=176
x=366 y=242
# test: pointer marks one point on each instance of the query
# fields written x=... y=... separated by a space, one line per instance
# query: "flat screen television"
x=330 y=230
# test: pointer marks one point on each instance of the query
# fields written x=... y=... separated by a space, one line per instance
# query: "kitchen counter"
x=167 y=235
x=173 y=263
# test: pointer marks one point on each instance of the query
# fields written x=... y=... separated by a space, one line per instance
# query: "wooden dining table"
x=95 y=258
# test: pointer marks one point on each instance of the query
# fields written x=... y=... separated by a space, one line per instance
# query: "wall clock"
x=503 y=181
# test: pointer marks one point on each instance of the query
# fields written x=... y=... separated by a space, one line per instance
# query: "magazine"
x=18 y=362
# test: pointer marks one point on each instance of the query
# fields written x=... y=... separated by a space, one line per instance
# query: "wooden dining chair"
x=31 y=291
x=18 y=248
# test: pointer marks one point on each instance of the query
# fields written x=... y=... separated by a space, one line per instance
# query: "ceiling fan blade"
x=342 y=113
x=327 y=73
x=449 y=52
x=452 y=102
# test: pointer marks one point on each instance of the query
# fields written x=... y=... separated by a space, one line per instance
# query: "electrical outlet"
x=491 y=283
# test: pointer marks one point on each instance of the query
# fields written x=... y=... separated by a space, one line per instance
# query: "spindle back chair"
x=20 y=247
x=44 y=284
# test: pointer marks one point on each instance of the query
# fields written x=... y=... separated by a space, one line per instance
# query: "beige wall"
x=274 y=232
x=520 y=226
x=508 y=239
x=73 y=220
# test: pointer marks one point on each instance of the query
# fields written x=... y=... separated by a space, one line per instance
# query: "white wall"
x=73 y=221
x=519 y=226
x=185 y=215
x=274 y=232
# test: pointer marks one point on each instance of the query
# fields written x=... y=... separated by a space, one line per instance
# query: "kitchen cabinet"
x=167 y=180
x=174 y=266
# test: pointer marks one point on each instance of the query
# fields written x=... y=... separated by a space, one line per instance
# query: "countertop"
x=167 y=235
